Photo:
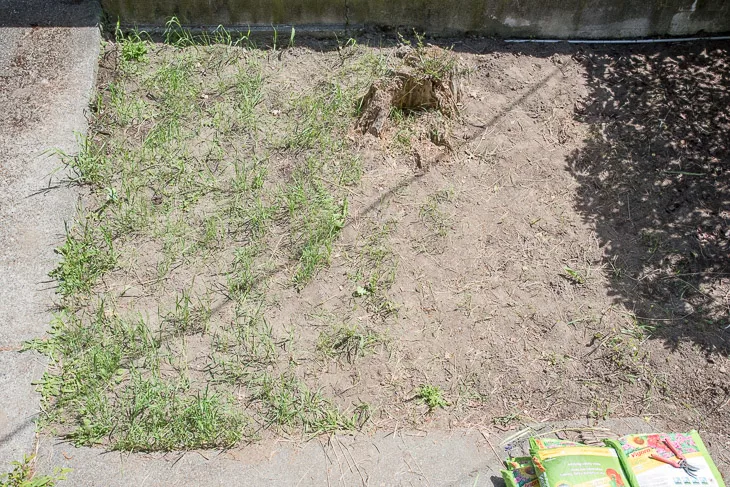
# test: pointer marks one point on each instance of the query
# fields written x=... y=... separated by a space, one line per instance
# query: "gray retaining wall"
x=502 y=18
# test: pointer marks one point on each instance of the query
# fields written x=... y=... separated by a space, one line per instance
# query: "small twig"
x=685 y=173
x=354 y=462
x=496 y=455
x=600 y=345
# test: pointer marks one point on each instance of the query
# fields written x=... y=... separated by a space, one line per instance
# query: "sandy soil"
x=560 y=252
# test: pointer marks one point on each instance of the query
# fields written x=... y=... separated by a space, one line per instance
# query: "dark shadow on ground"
x=654 y=180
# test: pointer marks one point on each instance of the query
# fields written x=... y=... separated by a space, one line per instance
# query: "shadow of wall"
x=655 y=182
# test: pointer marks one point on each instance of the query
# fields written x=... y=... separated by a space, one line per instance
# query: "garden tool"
x=680 y=462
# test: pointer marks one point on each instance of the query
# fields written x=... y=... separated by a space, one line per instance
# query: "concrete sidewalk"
x=438 y=458
x=48 y=56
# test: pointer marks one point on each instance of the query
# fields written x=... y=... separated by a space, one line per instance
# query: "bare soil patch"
x=557 y=248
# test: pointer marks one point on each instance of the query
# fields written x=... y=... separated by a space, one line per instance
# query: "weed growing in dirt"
x=347 y=342
x=432 y=396
x=435 y=64
x=132 y=47
x=375 y=270
x=433 y=214
x=89 y=165
x=290 y=404
x=316 y=220
x=574 y=276
x=151 y=412
x=87 y=254
x=507 y=419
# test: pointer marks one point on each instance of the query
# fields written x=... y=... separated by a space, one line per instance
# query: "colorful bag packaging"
x=520 y=473
x=641 y=455
x=577 y=466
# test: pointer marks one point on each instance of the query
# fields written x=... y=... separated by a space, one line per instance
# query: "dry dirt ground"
x=559 y=250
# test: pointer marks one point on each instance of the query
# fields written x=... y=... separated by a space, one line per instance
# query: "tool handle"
x=664 y=460
x=673 y=448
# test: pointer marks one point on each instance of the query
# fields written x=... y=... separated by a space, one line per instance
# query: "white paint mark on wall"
x=682 y=21
x=513 y=22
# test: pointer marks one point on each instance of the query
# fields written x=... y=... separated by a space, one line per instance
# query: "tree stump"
x=426 y=79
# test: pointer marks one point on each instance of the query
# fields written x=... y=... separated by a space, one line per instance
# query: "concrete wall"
x=504 y=18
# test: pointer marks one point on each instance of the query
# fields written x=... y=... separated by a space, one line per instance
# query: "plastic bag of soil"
x=577 y=466
x=667 y=460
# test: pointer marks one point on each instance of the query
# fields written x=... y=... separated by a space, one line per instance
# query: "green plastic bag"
x=577 y=466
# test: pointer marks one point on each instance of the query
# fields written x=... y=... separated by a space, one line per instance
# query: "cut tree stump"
x=426 y=79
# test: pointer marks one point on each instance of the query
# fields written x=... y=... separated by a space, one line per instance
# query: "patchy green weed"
x=347 y=341
x=287 y=402
x=432 y=212
x=106 y=378
x=133 y=48
x=574 y=276
x=316 y=219
x=24 y=475
x=87 y=254
x=90 y=165
x=506 y=419
x=432 y=396
x=376 y=268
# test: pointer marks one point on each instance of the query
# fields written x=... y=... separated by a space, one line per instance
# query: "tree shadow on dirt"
x=654 y=179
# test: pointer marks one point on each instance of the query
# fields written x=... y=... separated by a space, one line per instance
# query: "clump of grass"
x=87 y=254
x=248 y=92
x=287 y=402
x=87 y=357
x=163 y=415
x=244 y=275
x=438 y=64
x=432 y=396
x=316 y=220
x=133 y=48
x=188 y=317
x=178 y=36
x=322 y=118
x=24 y=475
x=432 y=213
x=124 y=107
x=90 y=165
x=376 y=271
x=244 y=349
x=348 y=342
x=176 y=95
